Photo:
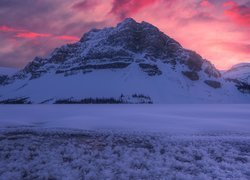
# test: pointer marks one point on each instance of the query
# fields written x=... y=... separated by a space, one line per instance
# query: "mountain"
x=130 y=63
x=5 y=72
x=240 y=72
x=240 y=75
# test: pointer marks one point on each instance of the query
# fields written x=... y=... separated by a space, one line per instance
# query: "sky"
x=219 y=30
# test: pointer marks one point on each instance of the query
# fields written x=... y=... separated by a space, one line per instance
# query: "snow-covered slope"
x=240 y=75
x=240 y=72
x=5 y=72
x=130 y=63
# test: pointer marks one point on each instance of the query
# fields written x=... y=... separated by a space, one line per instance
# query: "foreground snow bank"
x=125 y=142
x=62 y=154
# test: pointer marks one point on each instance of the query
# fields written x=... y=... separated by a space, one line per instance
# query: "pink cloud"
x=7 y=29
x=216 y=30
x=125 y=8
x=206 y=3
x=31 y=35
x=229 y=3
x=240 y=14
x=67 y=38
x=86 y=4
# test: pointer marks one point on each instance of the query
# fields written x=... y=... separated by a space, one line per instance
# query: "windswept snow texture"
x=125 y=142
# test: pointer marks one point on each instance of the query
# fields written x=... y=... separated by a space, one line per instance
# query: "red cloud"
x=240 y=48
x=205 y=3
x=238 y=13
x=87 y=4
x=31 y=35
x=125 y=8
x=7 y=29
x=67 y=38
x=229 y=4
x=201 y=21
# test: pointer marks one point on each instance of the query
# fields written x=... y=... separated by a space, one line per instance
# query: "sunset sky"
x=219 y=30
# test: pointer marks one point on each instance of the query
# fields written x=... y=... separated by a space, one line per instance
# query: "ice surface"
x=186 y=118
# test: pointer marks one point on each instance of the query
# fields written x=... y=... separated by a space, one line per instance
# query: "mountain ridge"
x=239 y=71
x=138 y=62
x=5 y=72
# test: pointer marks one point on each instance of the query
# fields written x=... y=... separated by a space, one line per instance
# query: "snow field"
x=56 y=154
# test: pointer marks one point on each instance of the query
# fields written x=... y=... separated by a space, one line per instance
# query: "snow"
x=90 y=155
x=241 y=65
x=176 y=118
x=177 y=141
x=66 y=73
x=240 y=71
x=7 y=71
x=170 y=87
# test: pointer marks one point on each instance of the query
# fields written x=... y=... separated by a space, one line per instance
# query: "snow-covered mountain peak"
x=239 y=72
x=129 y=63
x=241 y=65
x=127 y=22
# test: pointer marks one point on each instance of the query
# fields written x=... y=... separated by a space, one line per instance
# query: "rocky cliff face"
x=3 y=78
x=129 y=50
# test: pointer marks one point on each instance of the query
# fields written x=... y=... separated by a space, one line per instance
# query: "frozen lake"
x=186 y=118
